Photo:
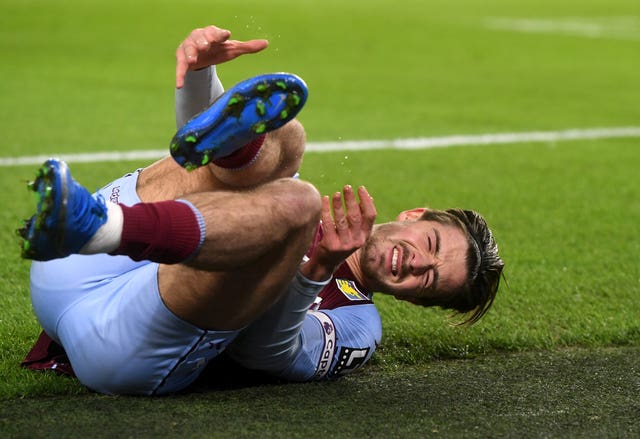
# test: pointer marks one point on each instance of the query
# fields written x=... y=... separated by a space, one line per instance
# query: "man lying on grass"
x=219 y=248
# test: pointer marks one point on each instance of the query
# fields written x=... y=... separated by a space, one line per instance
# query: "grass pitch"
x=565 y=393
x=556 y=356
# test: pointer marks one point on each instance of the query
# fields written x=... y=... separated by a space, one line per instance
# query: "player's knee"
x=300 y=203
x=292 y=136
x=289 y=141
x=308 y=204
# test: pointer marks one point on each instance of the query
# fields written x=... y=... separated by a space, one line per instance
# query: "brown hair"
x=484 y=265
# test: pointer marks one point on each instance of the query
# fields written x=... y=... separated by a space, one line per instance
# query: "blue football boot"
x=245 y=111
x=66 y=217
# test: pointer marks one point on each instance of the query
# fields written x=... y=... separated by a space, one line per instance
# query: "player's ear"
x=412 y=215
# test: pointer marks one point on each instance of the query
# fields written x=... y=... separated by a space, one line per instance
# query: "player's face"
x=412 y=259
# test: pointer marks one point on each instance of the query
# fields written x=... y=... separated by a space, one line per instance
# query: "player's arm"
x=334 y=342
x=299 y=345
x=197 y=82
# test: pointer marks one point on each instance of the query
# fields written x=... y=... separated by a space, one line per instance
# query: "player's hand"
x=341 y=233
x=209 y=46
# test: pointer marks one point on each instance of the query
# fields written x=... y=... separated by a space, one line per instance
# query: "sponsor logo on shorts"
x=350 y=359
x=349 y=289
x=115 y=195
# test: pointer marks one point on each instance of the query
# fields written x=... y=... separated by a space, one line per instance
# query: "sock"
x=107 y=237
x=168 y=232
x=242 y=157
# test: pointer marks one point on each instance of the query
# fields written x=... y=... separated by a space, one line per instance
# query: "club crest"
x=349 y=289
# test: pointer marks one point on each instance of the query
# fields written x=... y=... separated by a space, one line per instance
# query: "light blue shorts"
x=107 y=313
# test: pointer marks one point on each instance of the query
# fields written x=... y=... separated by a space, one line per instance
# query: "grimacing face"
x=413 y=258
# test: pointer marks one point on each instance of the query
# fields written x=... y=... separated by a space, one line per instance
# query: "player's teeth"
x=394 y=261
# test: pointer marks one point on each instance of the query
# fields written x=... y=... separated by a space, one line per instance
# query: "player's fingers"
x=339 y=217
x=326 y=210
x=353 y=210
x=328 y=226
x=214 y=35
x=189 y=51
x=367 y=208
x=196 y=39
x=182 y=66
x=237 y=48
x=253 y=46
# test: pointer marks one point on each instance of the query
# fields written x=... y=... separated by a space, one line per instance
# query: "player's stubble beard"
x=372 y=262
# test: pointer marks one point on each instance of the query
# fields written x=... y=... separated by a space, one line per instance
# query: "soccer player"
x=218 y=248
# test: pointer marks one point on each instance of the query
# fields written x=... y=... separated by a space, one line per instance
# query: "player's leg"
x=68 y=215
x=253 y=249
x=279 y=157
x=69 y=220
x=114 y=331
x=238 y=117
x=238 y=249
x=276 y=154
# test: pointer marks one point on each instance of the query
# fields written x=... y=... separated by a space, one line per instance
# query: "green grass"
x=98 y=76
x=502 y=395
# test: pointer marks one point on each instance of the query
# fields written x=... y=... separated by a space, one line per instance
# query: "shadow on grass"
x=569 y=393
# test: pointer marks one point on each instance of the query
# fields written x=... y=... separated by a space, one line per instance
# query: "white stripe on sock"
x=107 y=238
